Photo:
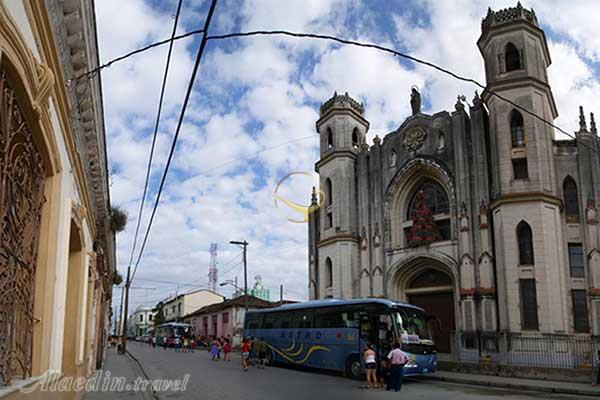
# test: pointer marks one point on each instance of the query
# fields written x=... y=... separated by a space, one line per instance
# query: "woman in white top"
x=370 y=366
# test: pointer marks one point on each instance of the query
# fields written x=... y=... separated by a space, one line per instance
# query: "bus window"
x=328 y=318
x=366 y=329
x=269 y=321
x=303 y=319
x=285 y=321
x=253 y=321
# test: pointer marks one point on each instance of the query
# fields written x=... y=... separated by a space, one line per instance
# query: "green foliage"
x=118 y=219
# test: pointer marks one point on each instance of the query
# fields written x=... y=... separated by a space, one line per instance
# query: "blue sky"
x=255 y=102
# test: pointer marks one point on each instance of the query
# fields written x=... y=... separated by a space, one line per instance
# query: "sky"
x=251 y=118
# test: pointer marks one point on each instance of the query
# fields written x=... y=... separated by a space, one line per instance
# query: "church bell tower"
x=335 y=255
x=524 y=202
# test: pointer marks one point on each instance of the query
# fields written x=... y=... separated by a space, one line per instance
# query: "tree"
x=424 y=230
x=159 y=318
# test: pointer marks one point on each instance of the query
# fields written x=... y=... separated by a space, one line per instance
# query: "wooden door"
x=441 y=306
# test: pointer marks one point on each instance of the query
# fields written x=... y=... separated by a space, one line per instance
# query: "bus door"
x=385 y=336
x=368 y=332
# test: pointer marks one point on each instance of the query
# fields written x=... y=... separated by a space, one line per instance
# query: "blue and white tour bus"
x=331 y=334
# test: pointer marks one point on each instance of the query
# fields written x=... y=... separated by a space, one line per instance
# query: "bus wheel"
x=353 y=367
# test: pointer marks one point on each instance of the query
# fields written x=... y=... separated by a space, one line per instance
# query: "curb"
x=508 y=385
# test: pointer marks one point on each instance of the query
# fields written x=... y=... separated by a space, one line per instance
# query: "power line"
x=89 y=74
x=177 y=129
x=155 y=134
x=399 y=54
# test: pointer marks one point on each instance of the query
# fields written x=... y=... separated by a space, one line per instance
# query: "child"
x=226 y=350
x=245 y=354
x=214 y=349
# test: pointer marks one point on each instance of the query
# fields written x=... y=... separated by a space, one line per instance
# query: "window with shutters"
x=576 y=264
x=529 y=307
x=581 y=322
x=520 y=168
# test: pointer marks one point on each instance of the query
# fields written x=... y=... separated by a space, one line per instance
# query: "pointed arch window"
x=328 y=192
x=571 y=199
x=355 y=136
x=329 y=138
x=512 y=57
x=328 y=273
x=434 y=206
x=328 y=203
x=525 y=239
x=517 y=129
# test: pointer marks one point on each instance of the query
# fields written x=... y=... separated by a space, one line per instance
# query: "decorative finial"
x=582 y=124
x=459 y=106
x=313 y=198
x=593 y=124
x=377 y=140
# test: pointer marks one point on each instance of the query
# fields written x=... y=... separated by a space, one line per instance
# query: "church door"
x=432 y=290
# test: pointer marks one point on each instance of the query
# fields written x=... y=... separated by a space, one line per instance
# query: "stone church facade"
x=511 y=211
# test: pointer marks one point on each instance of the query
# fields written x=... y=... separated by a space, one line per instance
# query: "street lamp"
x=231 y=283
x=244 y=246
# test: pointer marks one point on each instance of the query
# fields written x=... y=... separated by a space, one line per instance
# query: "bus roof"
x=174 y=324
x=334 y=302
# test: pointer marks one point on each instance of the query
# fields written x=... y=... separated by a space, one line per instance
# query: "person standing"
x=397 y=360
x=164 y=342
x=227 y=350
x=370 y=367
x=214 y=349
x=261 y=350
x=245 y=354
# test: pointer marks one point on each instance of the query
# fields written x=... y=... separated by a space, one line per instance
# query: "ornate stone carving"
x=464 y=218
x=377 y=140
x=483 y=215
x=414 y=139
x=364 y=241
x=393 y=158
x=45 y=83
x=342 y=101
x=591 y=212
x=510 y=14
x=415 y=100
x=78 y=213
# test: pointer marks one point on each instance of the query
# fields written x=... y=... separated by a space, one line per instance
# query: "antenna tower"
x=212 y=269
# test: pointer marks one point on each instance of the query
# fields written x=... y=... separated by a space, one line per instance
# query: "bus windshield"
x=412 y=326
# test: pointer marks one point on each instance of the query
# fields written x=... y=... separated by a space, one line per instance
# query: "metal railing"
x=527 y=350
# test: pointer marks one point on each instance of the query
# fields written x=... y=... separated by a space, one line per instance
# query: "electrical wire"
x=155 y=133
x=177 y=130
x=402 y=55
x=90 y=73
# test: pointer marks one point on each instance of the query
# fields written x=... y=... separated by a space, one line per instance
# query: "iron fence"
x=528 y=350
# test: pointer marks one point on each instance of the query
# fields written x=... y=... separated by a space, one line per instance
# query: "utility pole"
x=244 y=245
x=124 y=328
x=281 y=294
x=120 y=318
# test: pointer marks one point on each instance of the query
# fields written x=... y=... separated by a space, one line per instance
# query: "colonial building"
x=57 y=252
x=175 y=308
x=141 y=322
x=478 y=214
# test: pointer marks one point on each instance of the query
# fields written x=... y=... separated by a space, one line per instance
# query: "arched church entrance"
x=427 y=284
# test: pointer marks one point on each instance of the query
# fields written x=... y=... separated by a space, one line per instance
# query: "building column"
x=487 y=287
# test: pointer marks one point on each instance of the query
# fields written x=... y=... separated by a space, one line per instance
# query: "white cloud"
x=253 y=94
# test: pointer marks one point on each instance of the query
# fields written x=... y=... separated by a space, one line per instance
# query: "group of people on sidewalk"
x=220 y=345
x=254 y=352
x=388 y=372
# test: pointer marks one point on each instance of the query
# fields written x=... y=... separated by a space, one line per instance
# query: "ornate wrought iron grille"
x=21 y=197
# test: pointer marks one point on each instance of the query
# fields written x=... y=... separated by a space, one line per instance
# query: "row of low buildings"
x=209 y=313
x=57 y=249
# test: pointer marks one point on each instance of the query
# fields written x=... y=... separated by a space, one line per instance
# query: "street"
x=225 y=380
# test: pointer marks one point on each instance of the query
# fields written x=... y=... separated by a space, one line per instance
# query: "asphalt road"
x=220 y=380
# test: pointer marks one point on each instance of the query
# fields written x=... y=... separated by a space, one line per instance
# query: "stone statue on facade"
x=415 y=100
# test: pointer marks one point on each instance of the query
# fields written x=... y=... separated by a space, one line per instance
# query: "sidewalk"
x=575 y=388
x=121 y=366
